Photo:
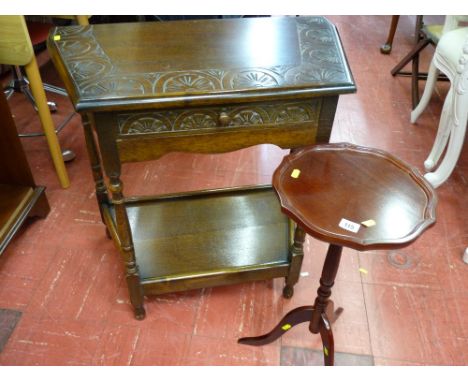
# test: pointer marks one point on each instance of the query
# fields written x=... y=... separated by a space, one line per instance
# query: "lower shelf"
x=215 y=237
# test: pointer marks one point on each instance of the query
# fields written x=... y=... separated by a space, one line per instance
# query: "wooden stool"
x=350 y=196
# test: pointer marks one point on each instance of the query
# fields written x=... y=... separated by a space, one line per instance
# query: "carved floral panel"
x=94 y=74
x=201 y=119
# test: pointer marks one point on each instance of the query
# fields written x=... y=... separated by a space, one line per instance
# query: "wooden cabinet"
x=204 y=86
x=19 y=196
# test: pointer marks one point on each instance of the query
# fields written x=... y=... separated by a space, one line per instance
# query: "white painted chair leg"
x=432 y=75
x=457 y=125
x=443 y=133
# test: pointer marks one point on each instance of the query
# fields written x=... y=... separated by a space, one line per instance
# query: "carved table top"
x=201 y=62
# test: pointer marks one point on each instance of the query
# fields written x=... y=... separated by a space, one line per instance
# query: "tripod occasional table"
x=349 y=196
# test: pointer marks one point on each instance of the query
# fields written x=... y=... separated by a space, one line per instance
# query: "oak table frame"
x=204 y=86
x=352 y=196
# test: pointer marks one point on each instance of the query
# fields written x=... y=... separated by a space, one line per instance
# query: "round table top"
x=355 y=196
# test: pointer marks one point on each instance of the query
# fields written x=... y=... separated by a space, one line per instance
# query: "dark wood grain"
x=207 y=236
x=358 y=184
x=148 y=65
x=319 y=186
x=14 y=165
x=19 y=195
x=208 y=86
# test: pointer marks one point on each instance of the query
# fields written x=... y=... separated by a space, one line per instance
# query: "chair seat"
x=433 y=32
x=38 y=32
x=449 y=47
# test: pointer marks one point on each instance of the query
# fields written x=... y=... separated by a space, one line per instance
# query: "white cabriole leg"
x=432 y=75
x=465 y=256
x=457 y=120
x=443 y=133
x=447 y=165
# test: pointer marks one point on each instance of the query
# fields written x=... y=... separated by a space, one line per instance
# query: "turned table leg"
x=329 y=271
x=320 y=323
x=98 y=176
x=127 y=249
x=124 y=239
x=297 y=255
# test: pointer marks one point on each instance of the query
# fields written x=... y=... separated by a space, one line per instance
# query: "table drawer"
x=218 y=118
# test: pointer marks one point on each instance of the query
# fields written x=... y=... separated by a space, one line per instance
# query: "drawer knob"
x=224 y=119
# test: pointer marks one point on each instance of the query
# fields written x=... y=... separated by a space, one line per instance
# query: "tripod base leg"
x=293 y=318
x=327 y=340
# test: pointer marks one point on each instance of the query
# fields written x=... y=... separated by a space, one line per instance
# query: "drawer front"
x=218 y=118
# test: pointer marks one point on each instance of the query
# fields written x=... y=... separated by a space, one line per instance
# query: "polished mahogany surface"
x=200 y=61
x=321 y=185
x=346 y=195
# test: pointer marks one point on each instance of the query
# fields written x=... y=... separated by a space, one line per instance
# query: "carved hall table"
x=204 y=86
